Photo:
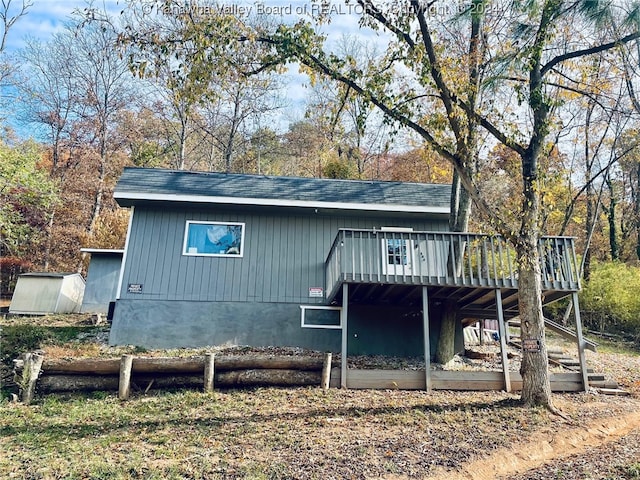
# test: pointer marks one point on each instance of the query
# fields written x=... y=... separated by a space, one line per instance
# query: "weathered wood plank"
x=451 y=380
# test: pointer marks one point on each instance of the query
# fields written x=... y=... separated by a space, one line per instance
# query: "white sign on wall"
x=316 y=292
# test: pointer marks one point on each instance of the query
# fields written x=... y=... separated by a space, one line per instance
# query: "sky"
x=46 y=17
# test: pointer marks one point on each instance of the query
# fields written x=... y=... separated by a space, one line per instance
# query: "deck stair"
x=559 y=358
x=561 y=330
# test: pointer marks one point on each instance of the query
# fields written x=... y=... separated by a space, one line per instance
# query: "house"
x=102 y=279
x=340 y=265
x=40 y=293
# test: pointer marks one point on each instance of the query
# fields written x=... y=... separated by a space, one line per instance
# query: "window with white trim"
x=214 y=239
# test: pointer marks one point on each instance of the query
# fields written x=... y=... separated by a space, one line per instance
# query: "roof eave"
x=132 y=198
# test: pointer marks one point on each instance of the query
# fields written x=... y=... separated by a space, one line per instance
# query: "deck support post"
x=581 y=343
x=427 y=342
x=344 y=314
x=503 y=341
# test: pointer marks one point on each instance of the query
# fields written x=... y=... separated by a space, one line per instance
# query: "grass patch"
x=617 y=347
x=18 y=339
x=264 y=433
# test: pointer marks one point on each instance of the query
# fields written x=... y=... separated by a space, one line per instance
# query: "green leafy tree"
x=27 y=199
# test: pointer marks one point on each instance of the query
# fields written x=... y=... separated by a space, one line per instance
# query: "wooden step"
x=569 y=362
x=560 y=358
x=612 y=391
x=555 y=351
x=604 y=384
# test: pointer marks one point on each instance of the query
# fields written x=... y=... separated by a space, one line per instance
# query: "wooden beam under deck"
x=473 y=302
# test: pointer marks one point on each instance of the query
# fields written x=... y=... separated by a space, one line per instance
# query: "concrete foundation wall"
x=380 y=330
x=175 y=324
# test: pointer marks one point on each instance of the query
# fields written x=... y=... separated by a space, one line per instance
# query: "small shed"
x=42 y=293
x=102 y=279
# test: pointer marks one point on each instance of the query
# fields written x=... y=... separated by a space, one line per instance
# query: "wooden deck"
x=392 y=267
x=476 y=272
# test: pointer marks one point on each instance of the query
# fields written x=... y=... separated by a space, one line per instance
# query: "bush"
x=610 y=300
x=20 y=339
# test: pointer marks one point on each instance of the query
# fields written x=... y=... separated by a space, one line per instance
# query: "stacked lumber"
x=142 y=373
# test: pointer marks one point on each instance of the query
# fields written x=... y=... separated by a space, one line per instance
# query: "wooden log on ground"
x=195 y=364
x=280 y=362
x=78 y=383
x=97 y=366
x=239 y=378
x=272 y=377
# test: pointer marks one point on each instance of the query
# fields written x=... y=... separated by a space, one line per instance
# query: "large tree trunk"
x=536 y=389
x=458 y=222
x=446 y=341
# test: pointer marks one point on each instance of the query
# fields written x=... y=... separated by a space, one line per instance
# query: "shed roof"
x=102 y=251
x=49 y=274
x=138 y=185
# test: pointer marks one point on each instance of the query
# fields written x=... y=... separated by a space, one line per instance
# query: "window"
x=397 y=251
x=320 y=316
x=217 y=239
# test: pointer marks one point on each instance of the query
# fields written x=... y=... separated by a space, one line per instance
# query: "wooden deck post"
x=124 y=385
x=344 y=313
x=580 y=338
x=503 y=341
x=427 y=343
x=326 y=371
x=209 y=371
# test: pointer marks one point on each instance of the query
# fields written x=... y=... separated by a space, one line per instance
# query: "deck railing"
x=442 y=259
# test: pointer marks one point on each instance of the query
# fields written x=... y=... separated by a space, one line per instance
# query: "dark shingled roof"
x=143 y=184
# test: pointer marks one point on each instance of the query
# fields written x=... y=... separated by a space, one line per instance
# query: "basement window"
x=214 y=239
x=320 y=316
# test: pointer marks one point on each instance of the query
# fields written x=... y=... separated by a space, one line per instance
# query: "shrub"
x=610 y=300
x=19 y=339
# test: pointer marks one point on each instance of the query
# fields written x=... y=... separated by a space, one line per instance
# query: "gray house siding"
x=284 y=255
x=191 y=301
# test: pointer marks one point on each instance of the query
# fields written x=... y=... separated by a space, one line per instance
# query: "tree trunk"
x=446 y=341
x=536 y=389
x=102 y=172
x=458 y=222
x=637 y=210
x=611 y=217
